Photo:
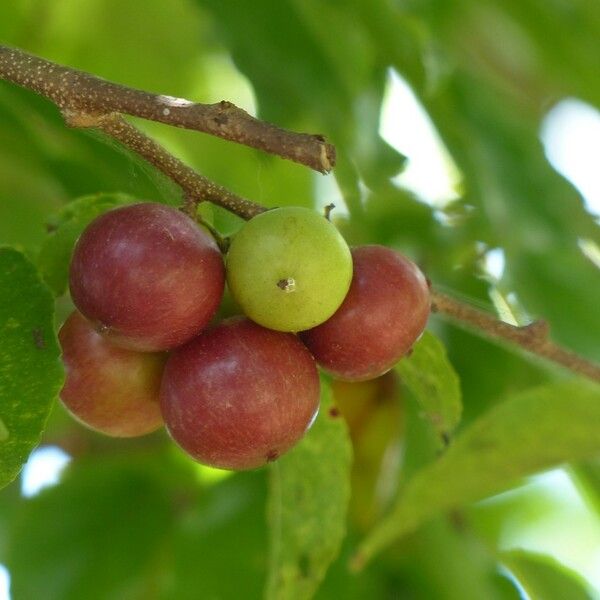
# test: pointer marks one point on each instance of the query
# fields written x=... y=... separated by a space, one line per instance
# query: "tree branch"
x=77 y=91
x=195 y=186
x=532 y=337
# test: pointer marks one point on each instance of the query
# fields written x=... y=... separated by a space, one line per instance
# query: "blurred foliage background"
x=135 y=519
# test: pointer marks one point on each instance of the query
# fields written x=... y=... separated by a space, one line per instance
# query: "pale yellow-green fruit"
x=289 y=269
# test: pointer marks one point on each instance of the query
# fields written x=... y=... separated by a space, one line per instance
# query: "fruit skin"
x=147 y=276
x=382 y=316
x=375 y=413
x=289 y=269
x=109 y=389
x=239 y=395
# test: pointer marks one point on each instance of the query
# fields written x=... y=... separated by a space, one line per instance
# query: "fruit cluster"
x=141 y=351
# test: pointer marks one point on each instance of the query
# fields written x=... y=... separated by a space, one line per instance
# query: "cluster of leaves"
x=137 y=519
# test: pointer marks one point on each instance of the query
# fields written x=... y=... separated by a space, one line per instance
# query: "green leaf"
x=98 y=534
x=429 y=375
x=587 y=478
x=30 y=370
x=544 y=578
x=534 y=430
x=522 y=205
x=65 y=228
x=309 y=495
x=336 y=87
x=226 y=524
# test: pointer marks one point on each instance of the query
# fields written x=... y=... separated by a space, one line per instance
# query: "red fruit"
x=239 y=395
x=384 y=313
x=110 y=389
x=147 y=276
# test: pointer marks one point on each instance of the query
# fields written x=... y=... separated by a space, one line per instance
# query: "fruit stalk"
x=196 y=187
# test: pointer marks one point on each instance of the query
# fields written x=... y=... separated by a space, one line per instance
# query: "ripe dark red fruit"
x=239 y=395
x=147 y=276
x=110 y=389
x=383 y=314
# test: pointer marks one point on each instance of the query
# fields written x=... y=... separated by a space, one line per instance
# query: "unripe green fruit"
x=289 y=269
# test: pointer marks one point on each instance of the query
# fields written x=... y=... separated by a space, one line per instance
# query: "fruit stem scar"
x=272 y=455
x=287 y=285
x=101 y=328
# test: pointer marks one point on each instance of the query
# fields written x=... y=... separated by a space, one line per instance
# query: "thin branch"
x=194 y=185
x=533 y=337
x=81 y=92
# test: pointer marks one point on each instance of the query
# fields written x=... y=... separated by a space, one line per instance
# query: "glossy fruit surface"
x=147 y=276
x=289 y=269
x=382 y=316
x=109 y=389
x=239 y=395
